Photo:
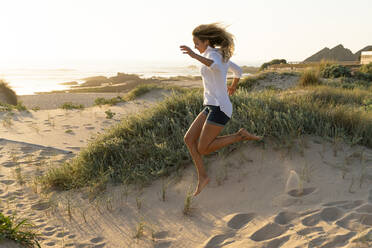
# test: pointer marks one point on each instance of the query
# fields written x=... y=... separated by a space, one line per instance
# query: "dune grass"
x=4 y=107
x=309 y=77
x=18 y=231
x=70 y=105
x=150 y=145
x=8 y=93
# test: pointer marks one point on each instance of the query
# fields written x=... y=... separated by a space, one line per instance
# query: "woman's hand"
x=187 y=50
x=231 y=89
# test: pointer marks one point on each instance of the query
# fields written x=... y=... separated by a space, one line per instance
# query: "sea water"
x=27 y=80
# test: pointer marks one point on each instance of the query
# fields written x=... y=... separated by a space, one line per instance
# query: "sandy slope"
x=309 y=193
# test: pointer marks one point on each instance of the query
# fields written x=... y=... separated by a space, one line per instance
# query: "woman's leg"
x=209 y=142
x=191 y=140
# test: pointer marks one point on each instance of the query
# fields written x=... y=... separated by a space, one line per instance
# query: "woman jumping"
x=216 y=47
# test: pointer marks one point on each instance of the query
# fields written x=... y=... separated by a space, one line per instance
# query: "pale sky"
x=63 y=32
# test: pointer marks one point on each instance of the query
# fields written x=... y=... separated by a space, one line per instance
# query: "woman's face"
x=200 y=45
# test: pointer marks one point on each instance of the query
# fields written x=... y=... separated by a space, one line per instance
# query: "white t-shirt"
x=214 y=80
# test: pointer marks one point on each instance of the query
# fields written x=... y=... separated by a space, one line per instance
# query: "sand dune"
x=312 y=194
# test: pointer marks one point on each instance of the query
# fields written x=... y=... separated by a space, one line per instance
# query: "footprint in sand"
x=50 y=233
x=300 y=193
x=367 y=208
x=311 y=220
x=62 y=234
x=96 y=240
x=9 y=164
x=308 y=230
x=352 y=204
x=355 y=221
x=161 y=235
x=331 y=214
x=40 y=206
x=335 y=203
x=50 y=228
x=284 y=218
x=217 y=240
x=89 y=128
x=7 y=182
x=163 y=244
x=51 y=243
x=339 y=240
x=277 y=242
x=269 y=231
x=239 y=220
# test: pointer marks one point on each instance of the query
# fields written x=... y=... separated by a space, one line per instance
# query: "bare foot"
x=247 y=136
x=201 y=184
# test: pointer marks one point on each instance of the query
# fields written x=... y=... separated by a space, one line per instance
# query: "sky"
x=62 y=33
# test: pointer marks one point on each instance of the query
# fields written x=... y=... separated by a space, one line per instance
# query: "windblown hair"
x=218 y=37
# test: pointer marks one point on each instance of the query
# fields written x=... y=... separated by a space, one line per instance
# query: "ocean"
x=28 y=81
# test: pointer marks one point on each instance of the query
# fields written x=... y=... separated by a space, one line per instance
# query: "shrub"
x=272 y=62
x=335 y=71
x=366 y=68
x=309 y=77
x=103 y=101
x=9 y=95
x=362 y=75
x=70 y=105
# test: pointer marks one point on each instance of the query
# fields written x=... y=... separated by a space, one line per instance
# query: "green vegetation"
x=140 y=90
x=4 y=107
x=113 y=101
x=334 y=71
x=366 y=68
x=272 y=62
x=150 y=145
x=109 y=114
x=18 y=231
x=309 y=77
x=9 y=94
x=70 y=105
x=250 y=81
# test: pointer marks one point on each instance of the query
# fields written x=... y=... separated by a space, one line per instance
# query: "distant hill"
x=338 y=53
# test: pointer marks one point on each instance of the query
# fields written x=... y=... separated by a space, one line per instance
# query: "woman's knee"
x=203 y=149
x=188 y=139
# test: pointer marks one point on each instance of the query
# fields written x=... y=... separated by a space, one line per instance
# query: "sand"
x=309 y=193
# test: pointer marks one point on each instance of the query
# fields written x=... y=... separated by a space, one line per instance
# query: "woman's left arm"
x=204 y=60
x=237 y=71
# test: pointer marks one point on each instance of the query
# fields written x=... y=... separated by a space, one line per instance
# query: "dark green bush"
x=362 y=75
x=366 y=68
x=272 y=62
x=335 y=71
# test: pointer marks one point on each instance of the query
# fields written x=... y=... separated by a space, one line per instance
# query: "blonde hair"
x=217 y=36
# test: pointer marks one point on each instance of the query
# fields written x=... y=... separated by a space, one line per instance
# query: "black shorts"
x=215 y=116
